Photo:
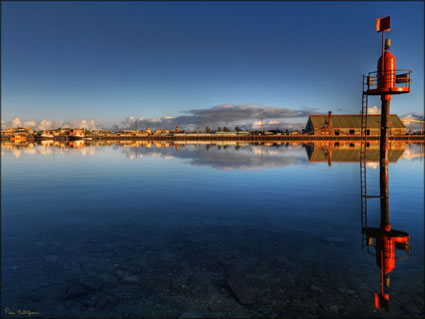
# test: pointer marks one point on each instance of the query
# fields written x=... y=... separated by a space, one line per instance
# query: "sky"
x=105 y=64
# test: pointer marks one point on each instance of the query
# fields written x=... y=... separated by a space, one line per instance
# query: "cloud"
x=247 y=116
x=413 y=116
x=16 y=122
x=273 y=122
x=228 y=113
x=44 y=125
x=48 y=124
x=87 y=124
x=373 y=110
x=31 y=124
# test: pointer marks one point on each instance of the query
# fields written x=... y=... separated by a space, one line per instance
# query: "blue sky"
x=105 y=61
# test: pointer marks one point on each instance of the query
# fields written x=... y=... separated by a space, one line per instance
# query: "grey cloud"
x=227 y=113
x=246 y=116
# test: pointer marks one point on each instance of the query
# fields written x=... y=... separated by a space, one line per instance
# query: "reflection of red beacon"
x=387 y=240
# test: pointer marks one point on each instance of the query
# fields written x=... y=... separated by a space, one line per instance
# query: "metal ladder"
x=363 y=146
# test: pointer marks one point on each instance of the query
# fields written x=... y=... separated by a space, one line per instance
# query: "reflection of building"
x=76 y=144
x=351 y=125
x=349 y=152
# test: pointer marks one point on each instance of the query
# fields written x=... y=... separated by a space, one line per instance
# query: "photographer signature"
x=20 y=312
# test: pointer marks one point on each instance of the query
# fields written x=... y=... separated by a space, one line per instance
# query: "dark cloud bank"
x=247 y=116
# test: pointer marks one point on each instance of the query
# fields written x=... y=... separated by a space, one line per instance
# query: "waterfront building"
x=350 y=124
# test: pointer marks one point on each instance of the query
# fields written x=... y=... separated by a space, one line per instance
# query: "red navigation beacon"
x=389 y=79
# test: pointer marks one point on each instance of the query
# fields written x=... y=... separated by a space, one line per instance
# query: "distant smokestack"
x=328 y=124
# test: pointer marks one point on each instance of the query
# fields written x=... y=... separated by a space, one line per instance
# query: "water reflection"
x=224 y=155
x=384 y=239
x=331 y=151
x=134 y=229
x=220 y=155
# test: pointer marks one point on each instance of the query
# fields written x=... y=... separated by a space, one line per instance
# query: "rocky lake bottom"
x=222 y=269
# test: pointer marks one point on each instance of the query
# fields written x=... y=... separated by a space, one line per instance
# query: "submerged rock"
x=334 y=308
x=51 y=258
x=88 y=302
x=190 y=315
x=31 y=297
x=346 y=291
x=239 y=287
x=131 y=280
x=121 y=274
x=75 y=291
x=316 y=289
x=90 y=283
x=335 y=240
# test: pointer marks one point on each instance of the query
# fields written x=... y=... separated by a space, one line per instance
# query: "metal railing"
x=399 y=78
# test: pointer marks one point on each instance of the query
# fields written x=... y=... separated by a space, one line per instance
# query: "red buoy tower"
x=385 y=239
x=390 y=80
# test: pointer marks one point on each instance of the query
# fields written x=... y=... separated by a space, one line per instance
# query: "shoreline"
x=261 y=138
x=416 y=138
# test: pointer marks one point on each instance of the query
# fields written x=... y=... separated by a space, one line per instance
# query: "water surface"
x=168 y=229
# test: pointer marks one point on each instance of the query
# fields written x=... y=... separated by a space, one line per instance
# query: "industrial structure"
x=384 y=238
x=342 y=124
x=422 y=125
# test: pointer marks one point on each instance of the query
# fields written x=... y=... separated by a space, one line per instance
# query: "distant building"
x=161 y=131
x=17 y=131
x=76 y=132
x=127 y=133
x=351 y=125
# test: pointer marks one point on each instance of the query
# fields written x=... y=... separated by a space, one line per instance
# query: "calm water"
x=163 y=230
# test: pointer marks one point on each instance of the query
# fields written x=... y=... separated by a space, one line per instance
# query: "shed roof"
x=354 y=121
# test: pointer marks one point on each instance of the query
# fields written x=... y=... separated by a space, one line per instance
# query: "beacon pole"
x=386 y=79
x=385 y=239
